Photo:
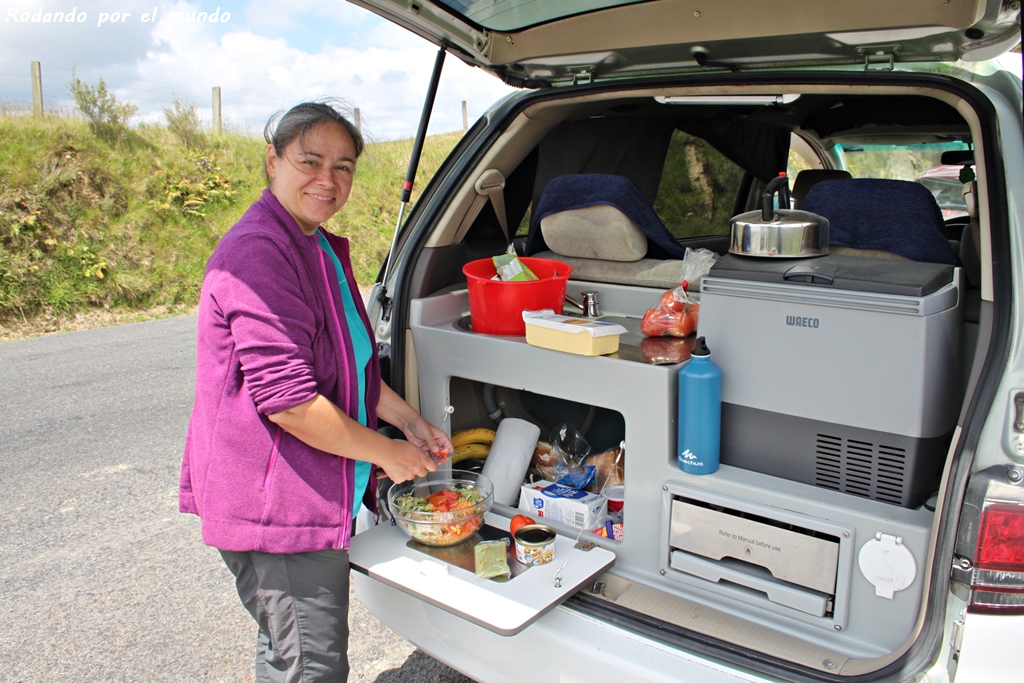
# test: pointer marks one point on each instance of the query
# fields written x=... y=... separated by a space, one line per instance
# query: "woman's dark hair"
x=282 y=129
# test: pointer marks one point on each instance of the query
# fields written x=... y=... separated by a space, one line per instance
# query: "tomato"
x=654 y=323
x=682 y=325
x=519 y=521
x=669 y=303
x=442 y=500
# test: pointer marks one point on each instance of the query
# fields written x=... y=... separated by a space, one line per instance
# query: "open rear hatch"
x=534 y=44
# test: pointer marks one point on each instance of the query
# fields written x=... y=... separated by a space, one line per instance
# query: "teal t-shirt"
x=363 y=347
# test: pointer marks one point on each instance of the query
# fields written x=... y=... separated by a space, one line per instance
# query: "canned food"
x=535 y=544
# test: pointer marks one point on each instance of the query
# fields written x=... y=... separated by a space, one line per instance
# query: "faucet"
x=589 y=305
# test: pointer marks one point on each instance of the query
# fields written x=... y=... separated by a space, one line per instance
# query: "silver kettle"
x=781 y=233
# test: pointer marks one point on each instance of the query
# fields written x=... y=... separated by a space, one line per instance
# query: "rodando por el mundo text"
x=73 y=16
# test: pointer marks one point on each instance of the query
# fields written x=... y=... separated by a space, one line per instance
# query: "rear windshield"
x=513 y=15
x=921 y=163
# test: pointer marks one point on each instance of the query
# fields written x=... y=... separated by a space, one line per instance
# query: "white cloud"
x=260 y=75
x=35 y=30
x=274 y=14
x=267 y=57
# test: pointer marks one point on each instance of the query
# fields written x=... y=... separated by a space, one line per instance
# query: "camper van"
x=865 y=521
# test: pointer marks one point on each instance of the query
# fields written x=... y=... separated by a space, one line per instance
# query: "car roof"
x=547 y=42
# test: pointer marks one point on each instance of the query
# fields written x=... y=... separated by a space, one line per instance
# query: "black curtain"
x=757 y=148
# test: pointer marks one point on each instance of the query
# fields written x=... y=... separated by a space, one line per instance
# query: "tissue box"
x=558 y=503
x=572 y=335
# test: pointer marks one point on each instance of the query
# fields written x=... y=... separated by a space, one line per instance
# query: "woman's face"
x=313 y=177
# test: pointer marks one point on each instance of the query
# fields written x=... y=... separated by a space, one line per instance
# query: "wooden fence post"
x=37 y=88
x=465 y=116
x=359 y=120
x=217 y=125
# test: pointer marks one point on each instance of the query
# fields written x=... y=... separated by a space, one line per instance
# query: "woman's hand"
x=405 y=461
x=428 y=438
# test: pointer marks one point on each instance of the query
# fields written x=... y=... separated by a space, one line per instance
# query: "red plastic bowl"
x=496 y=306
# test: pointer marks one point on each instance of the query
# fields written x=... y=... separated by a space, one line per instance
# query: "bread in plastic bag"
x=565 y=462
x=609 y=468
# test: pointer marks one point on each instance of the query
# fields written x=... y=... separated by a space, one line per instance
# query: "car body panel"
x=563 y=646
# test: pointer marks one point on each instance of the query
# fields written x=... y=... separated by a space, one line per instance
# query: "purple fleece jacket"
x=271 y=336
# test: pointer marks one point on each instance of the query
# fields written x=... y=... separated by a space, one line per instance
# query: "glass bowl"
x=420 y=518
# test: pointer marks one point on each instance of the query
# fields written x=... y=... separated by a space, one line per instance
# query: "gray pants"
x=300 y=603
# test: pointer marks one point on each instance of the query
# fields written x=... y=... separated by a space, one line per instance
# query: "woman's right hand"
x=405 y=461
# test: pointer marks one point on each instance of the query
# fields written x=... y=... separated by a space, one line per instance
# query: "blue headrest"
x=569 y=192
x=897 y=216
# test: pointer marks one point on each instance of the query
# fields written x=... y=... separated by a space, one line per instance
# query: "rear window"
x=514 y=15
x=921 y=163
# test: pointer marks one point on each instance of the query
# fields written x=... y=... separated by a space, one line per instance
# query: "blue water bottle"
x=700 y=412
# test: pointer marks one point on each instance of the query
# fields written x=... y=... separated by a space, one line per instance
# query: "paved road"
x=103 y=579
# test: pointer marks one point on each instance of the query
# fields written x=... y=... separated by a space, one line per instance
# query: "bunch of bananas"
x=472 y=443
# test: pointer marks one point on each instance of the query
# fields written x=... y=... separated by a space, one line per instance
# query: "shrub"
x=183 y=121
x=109 y=118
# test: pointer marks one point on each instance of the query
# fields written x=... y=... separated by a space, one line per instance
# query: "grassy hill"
x=125 y=226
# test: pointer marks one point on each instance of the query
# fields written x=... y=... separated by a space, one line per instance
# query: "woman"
x=282 y=441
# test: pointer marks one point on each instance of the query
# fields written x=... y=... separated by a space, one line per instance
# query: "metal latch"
x=582 y=77
x=879 y=57
x=956 y=638
x=1017 y=428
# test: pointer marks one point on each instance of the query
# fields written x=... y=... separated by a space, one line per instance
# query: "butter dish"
x=581 y=336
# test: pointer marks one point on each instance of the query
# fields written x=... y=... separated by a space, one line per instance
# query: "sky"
x=265 y=55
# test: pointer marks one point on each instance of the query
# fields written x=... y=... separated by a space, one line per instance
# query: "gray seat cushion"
x=600 y=231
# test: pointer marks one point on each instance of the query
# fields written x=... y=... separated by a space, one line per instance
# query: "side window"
x=698 y=188
x=524 y=225
x=801 y=158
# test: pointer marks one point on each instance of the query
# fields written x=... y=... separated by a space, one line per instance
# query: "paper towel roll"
x=509 y=458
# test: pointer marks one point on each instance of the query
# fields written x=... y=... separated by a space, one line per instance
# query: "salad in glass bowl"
x=442 y=511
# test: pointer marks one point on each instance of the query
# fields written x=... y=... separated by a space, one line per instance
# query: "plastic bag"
x=696 y=264
x=609 y=468
x=510 y=269
x=677 y=311
x=675 y=315
x=565 y=462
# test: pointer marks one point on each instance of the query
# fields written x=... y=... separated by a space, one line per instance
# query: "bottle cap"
x=701 y=349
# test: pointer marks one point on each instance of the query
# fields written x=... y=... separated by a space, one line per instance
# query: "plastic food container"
x=441 y=528
x=572 y=335
x=615 y=494
x=496 y=307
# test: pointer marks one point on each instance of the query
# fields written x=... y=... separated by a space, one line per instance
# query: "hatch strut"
x=410 y=175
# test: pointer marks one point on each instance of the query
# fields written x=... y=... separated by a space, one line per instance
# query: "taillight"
x=997 y=584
